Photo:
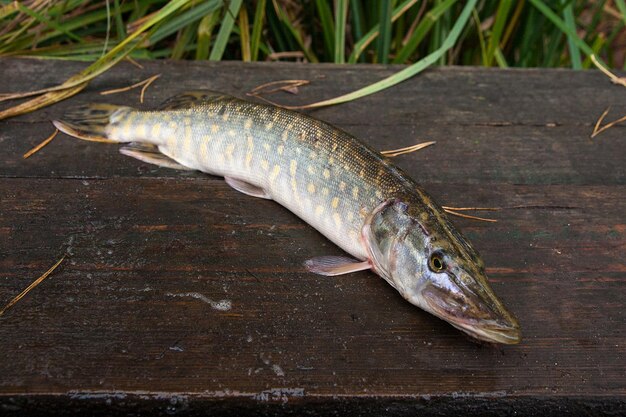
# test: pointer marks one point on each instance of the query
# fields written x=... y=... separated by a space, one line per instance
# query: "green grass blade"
x=512 y=23
x=412 y=70
x=500 y=58
x=225 y=29
x=558 y=22
x=498 y=28
x=357 y=24
x=328 y=27
x=384 y=40
x=597 y=46
x=295 y=34
x=555 y=43
x=276 y=29
x=373 y=33
x=40 y=18
x=422 y=30
x=184 y=19
x=341 y=15
x=116 y=53
x=440 y=31
x=8 y=10
x=185 y=38
x=530 y=42
x=621 y=6
x=244 y=34
x=481 y=38
x=205 y=30
x=119 y=22
x=574 y=52
x=257 y=28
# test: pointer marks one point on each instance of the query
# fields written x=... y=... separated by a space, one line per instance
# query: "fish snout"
x=475 y=311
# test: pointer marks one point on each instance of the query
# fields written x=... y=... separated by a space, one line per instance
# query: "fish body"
x=343 y=188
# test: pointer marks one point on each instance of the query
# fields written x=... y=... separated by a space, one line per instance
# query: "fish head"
x=435 y=268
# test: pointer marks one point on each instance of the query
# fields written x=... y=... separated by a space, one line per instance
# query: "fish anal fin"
x=190 y=99
x=151 y=155
x=247 y=188
x=335 y=265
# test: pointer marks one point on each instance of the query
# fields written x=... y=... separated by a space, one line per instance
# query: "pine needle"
x=471 y=208
x=41 y=145
x=615 y=80
x=289 y=86
x=135 y=63
x=396 y=152
x=467 y=216
x=275 y=56
x=31 y=286
x=145 y=83
x=607 y=126
x=599 y=122
x=454 y=211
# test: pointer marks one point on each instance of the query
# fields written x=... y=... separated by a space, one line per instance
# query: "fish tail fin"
x=92 y=122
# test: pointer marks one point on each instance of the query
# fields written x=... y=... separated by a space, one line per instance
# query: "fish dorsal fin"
x=191 y=99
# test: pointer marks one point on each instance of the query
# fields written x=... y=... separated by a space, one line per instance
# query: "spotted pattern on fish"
x=292 y=156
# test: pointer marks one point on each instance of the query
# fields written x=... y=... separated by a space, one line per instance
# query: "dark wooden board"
x=118 y=327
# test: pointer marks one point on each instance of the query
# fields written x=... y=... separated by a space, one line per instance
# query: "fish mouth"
x=508 y=334
x=485 y=320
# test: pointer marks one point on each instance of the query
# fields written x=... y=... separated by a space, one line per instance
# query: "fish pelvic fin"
x=92 y=122
x=152 y=155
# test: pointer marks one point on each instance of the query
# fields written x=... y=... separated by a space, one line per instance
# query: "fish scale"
x=343 y=188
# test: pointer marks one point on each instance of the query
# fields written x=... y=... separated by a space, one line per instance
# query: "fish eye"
x=436 y=263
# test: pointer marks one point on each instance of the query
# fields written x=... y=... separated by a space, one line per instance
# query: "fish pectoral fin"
x=335 y=265
x=152 y=155
x=247 y=188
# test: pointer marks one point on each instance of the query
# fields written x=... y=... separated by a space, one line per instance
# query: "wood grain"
x=122 y=326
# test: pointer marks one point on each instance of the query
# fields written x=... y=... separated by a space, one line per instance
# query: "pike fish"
x=343 y=188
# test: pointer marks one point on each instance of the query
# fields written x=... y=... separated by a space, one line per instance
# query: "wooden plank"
x=121 y=326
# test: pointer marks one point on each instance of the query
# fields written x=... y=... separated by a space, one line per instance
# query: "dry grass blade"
x=135 y=63
x=77 y=82
x=607 y=126
x=467 y=216
x=145 y=83
x=471 y=208
x=275 y=56
x=72 y=82
x=41 y=101
x=31 y=286
x=289 y=86
x=41 y=145
x=395 y=152
x=599 y=122
x=614 y=78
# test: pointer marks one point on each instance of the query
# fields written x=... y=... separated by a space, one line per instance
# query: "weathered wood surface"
x=111 y=332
